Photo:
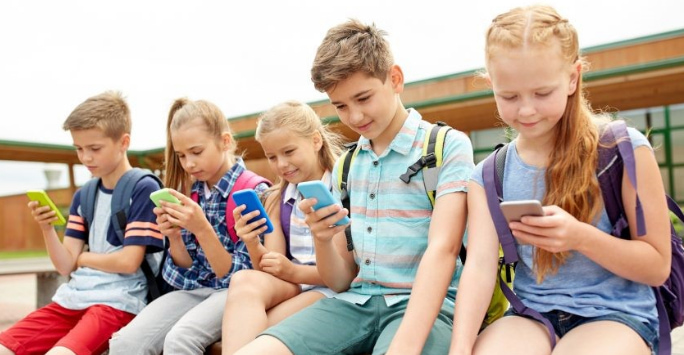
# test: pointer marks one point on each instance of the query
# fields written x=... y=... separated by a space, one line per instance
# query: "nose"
x=526 y=109
x=355 y=116
x=282 y=163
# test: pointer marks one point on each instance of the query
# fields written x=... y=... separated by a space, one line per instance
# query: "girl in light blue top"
x=593 y=287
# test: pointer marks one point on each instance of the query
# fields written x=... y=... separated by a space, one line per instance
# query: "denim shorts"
x=564 y=322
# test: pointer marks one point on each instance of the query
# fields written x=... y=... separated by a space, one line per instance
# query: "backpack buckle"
x=412 y=170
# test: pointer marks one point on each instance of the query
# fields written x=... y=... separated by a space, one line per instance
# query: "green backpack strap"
x=343 y=180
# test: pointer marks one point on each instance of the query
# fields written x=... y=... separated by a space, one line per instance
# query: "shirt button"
x=372 y=195
x=367 y=262
x=375 y=163
x=369 y=229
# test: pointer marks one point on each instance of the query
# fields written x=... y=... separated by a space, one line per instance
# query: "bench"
x=47 y=277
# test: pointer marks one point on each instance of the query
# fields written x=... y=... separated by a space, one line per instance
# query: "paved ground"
x=18 y=298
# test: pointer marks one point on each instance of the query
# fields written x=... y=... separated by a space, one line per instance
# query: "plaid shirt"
x=200 y=274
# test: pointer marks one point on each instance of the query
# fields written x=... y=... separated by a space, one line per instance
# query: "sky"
x=245 y=56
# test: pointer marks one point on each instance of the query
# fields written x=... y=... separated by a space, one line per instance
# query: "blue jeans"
x=564 y=322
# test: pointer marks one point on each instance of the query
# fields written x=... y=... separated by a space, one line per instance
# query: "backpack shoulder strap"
x=285 y=213
x=492 y=173
x=121 y=198
x=343 y=180
x=615 y=154
x=431 y=159
x=87 y=200
x=247 y=180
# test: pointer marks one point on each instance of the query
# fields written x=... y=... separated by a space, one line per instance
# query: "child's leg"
x=250 y=294
x=146 y=333
x=513 y=335
x=603 y=337
x=91 y=334
x=292 y=306
x=199 y=327
x=440 y=334
x=40 y=330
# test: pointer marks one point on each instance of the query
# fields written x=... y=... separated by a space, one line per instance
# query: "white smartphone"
x=515 y=210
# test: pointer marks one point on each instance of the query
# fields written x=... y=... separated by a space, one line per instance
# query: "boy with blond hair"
x=400 y=249
x=106 y=287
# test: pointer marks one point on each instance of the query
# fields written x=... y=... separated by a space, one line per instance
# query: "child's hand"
x=43 y=215
x=165 y=227
x=554 y=232
x=188 y=214
x=277 y=265
x=249 y=233
x=321 y=222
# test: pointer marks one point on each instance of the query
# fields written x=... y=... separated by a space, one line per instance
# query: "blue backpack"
x=121 y=204
x=615 y=156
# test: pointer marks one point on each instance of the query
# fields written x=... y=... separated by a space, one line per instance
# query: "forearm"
x=220 y=260
x=305 y=274
x=334 y=270
x=256 y=250
x=434 y=275
x=634 y=259
x=475 y=289
x=115 y=263
x=179 y=253
x=63 y=260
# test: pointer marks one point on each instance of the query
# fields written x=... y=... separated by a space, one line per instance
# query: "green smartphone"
x=163 y=195
x=44 y=200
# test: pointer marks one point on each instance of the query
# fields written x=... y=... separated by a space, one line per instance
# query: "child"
x=106 y=287
x=298 y=148
x=591 y=286
x=402 y=247
x=202 y=256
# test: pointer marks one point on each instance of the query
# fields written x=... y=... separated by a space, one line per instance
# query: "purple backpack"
x=615 y=156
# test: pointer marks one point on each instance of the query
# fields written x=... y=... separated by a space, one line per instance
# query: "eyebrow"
x=354 y=97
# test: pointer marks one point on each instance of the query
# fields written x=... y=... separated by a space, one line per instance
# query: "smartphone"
x=317 y=189
x=44 y=200
x=515 y=210
x=163 y=195
x=250 y=199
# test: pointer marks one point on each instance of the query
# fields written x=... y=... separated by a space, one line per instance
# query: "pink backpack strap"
x=247 y=180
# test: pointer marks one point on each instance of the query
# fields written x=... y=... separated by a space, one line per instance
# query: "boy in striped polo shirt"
x=403 y=247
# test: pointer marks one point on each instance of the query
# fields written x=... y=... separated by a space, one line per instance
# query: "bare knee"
x=246 y=285
x=5 y=351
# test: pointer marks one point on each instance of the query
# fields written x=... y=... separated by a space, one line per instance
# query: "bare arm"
x=434 y=274
x=335 y=264
x=127 y=260
x=62 y=254
x=249 y=233
x=478 y=278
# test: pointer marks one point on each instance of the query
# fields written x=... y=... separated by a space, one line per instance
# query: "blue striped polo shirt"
x=390 y=219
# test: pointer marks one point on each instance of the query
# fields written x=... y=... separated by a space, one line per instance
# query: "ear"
x=396 y=76
x=574 y=77
x=317 y=141
x=125 y=141
x=226 y=140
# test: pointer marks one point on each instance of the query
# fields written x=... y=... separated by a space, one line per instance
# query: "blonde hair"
x=108 y=112
x=182 y=112
x=349 y=48
x=300 y=119
x=570 y=177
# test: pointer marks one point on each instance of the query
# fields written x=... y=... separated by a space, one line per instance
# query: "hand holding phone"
x=163 y=195
x=44 y=200
x=318 y=190
x=515 y=210
x=250 y=199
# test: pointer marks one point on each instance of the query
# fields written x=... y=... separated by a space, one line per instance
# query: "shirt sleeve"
x=457 y=165
x=141 y=227
x=76 y=226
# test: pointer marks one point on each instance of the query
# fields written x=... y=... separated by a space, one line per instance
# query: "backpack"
x=430 y=163
x=121 y=204
x=247 y=180
x=616 y=155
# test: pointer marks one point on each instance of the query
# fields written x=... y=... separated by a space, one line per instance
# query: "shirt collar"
x=225 y=184
x=291 y=192
x=403 y=141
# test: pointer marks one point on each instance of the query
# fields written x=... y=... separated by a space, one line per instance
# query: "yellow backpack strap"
x=430 y=161
x=346 y=160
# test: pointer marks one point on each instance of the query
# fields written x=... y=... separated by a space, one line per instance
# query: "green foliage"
x=678 y=226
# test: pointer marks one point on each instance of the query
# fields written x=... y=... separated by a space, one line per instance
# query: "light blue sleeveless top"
x=581 y=286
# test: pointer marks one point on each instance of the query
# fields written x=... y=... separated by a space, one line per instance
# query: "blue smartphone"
x=317 y=189
x=250 y=199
